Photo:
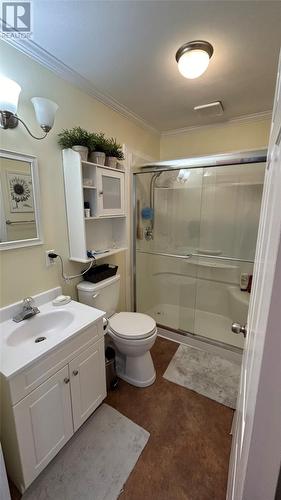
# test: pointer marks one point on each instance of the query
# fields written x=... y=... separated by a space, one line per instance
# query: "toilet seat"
x=132 y=326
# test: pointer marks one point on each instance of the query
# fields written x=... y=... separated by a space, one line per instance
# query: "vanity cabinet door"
x=43 y=421
x=88 y=386
x=110 y=190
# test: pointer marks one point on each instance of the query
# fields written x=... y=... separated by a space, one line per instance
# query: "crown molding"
x=43 y=57
x=254 y=117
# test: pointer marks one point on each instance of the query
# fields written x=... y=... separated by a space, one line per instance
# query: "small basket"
x=100 y=273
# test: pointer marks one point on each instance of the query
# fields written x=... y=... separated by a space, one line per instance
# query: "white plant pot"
x=97 y=157
x=82 y=150
x=111 y=161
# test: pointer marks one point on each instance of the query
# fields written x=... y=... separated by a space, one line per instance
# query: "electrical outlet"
x=49 y=261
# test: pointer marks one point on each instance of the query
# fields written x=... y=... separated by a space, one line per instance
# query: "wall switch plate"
x=49 y=261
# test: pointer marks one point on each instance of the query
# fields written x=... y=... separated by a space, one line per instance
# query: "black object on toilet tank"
x=100 y=273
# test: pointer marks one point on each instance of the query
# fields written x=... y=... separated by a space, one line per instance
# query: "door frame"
x=264 y=456
x=256 y=475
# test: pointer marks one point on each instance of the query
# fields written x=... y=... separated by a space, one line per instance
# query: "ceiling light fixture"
x=193 y=58
x=45 y=109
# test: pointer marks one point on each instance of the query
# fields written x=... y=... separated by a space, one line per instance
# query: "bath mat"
x=95 y=463
x=203 y=372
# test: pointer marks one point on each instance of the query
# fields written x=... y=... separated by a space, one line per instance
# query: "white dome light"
x=193 y=58
x=193 y=64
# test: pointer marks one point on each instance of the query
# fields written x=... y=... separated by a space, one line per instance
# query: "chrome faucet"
x=29 y=309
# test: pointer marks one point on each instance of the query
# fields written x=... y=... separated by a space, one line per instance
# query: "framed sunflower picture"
x=20 y=191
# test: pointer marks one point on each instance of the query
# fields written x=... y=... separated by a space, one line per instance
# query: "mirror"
x=20 y=223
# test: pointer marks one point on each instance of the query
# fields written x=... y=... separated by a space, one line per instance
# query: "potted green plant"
x=77 y=139
x=98 y=145
x=113 y=153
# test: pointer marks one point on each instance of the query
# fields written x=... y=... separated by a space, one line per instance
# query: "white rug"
x=95 y=463
x=203 y=372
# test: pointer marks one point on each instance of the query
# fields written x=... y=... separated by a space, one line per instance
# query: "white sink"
x=24 y=343
x=40 y=327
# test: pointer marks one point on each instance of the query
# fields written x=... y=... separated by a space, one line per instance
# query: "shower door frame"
x=222 y=160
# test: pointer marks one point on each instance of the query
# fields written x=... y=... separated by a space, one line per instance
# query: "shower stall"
x=196 y=224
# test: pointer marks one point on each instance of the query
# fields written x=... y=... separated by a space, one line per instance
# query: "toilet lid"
x=132 y=325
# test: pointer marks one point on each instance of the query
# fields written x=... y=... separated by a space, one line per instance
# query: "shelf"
x=113 y=251
x=110 y=234
x=102 y=217
x=90 y=164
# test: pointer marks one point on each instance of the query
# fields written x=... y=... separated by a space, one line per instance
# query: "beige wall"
x=23 y=271
x=231 y=136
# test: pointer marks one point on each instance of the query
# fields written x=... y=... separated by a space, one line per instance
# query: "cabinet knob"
x=66 y=380
x=100 y=193
x=75 y=372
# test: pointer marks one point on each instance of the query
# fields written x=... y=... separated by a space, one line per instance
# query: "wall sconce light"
x=45 y=109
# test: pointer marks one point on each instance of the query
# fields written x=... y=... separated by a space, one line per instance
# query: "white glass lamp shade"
x=9 y=94
x=193 y=63
x=45 y=111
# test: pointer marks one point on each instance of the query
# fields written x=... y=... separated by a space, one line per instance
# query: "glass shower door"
x=196 y=239
x=168 y=232
x=230 y=208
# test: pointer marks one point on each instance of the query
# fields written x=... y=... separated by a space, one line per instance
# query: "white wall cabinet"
x=39 y=424
x=103 y=188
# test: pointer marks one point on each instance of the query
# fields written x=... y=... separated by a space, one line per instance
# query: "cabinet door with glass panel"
x=110 y=191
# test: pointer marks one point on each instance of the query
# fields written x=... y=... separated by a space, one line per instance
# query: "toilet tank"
x=103 y=295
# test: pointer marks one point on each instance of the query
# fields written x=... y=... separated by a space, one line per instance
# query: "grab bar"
x=166 y=254
x=190 y=255
x=9 y=222
x=220 y=257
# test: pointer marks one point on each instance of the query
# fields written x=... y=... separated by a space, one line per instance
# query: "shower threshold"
x=179 y=335
x=207 y=326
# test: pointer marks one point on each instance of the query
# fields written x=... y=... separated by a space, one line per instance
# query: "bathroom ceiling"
x=125 y=50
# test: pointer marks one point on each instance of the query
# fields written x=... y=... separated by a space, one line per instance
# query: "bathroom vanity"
x=50 y=387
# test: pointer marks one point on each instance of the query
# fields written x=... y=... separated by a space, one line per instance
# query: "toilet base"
x=136 y=370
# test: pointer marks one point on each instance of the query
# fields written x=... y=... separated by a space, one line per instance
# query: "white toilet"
x=133 y=334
